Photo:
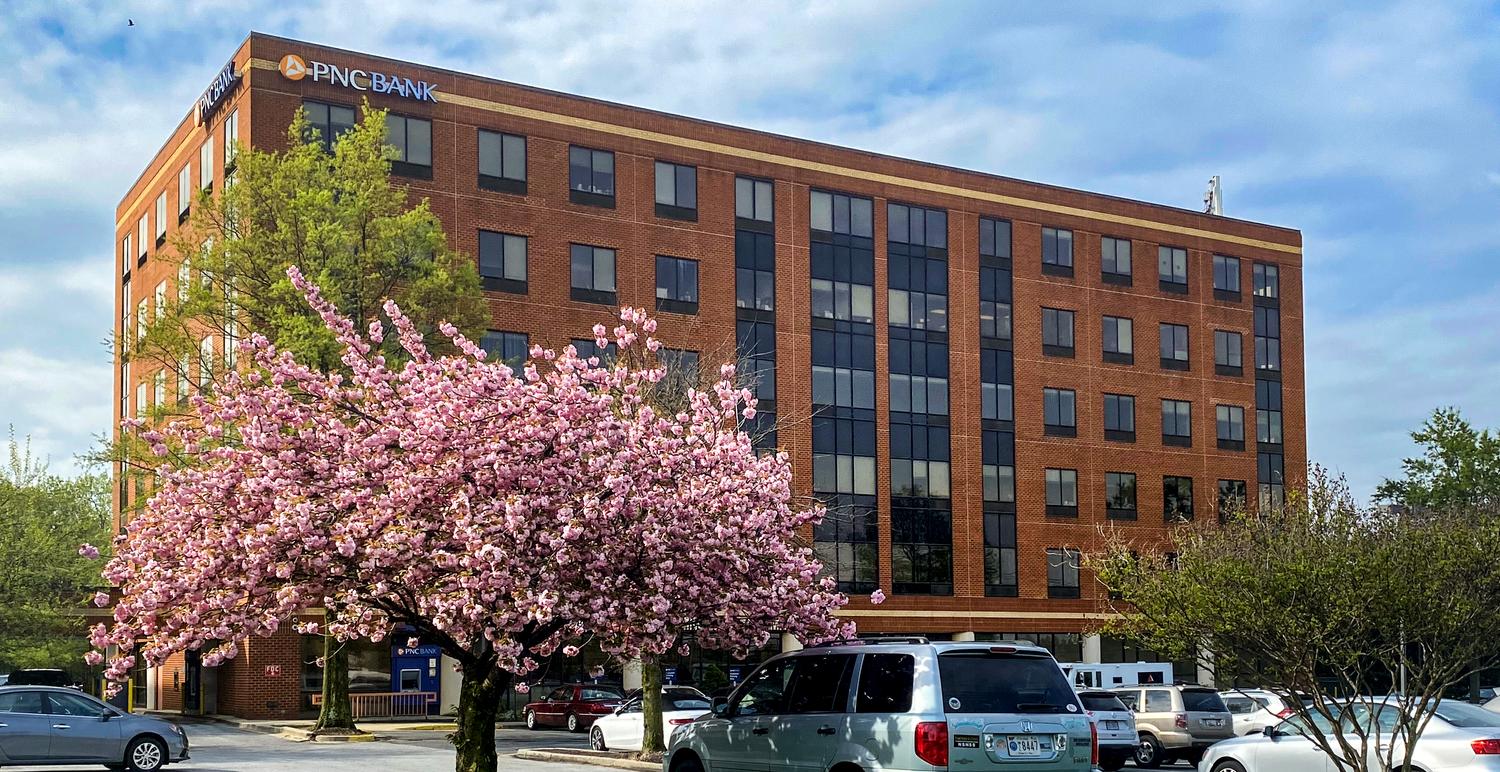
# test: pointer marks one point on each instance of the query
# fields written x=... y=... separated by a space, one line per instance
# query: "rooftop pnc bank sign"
x=294 y=67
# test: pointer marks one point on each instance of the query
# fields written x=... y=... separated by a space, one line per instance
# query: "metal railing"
x=386 y=704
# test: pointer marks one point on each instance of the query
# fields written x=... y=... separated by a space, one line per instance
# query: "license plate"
x=1213 y=722
x=1023 y=745
x=1111 y=724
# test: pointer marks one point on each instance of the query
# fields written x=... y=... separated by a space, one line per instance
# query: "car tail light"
x=1093 y=744
x=932 y=742
x=1285 y=713
x=1181 y=721
x=679 y=721
x=1485 y=747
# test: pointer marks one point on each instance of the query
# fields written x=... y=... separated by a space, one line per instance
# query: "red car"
x=574 y=706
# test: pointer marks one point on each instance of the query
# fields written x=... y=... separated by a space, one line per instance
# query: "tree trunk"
x=336 y=712
x=653 y=741
x=478 y=707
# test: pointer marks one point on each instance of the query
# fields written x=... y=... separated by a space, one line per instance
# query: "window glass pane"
x=583 y=267
x=687 y=187
x=515 y=258
x=418 y=142
x=665 y=184
x=514 y=157
x=744 y=198
x=763 y=201
x=604 y=270
x=822 y=211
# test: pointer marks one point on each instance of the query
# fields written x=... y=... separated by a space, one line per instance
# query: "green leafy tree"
x=336 y=216
x=44 y=581
x=1458 y=470
x=1323 y=595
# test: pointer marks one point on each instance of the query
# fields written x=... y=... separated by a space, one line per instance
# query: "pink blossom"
x=877 y=597
x=101 y=599
x=570 y=651
x=522 y=687
x=88 y=551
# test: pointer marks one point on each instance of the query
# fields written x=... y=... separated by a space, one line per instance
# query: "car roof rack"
x=908 y=639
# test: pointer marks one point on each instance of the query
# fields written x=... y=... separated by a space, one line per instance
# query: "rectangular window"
x=754 y=271
x=1272 y=489
x=1119 y=340
x=1119 y=495
x=996 y=400
x=921 y=546
x=753 y=199
x=1177 y=423
x=205 y=362
x=1057 y=252
x=159 y=298
x=847 y=543
x=1059 y=412
x=142 y=321
x=840 y=214
x=998 y=455
x=1115 y=260
x=588 y=348
x=676 y=285
x=1267 y=338
x=1226 y=277
x=1231 y=498
x=206 y=165
x=1062 y=572
x=1057 y=332
x=591 y=176
x=159 y=388
x=917 y=226
x=161 y=219
x=502 y=162
x=1062 y=492
x=1230 y=420
x=1268 y=412
x=1000 y=578
x=183 y=379
x=127 y=258
x=755 y=343
x=184 y=191
x=231 y=140
x=326 y=123
x=850 y=382
x=411 y=139
x=143 y=238
x=1119 y=417
x=140 y=399
x=994 y=303
x=844 y=457
x=1177 y=498
x=918 y=376
x=502 y=261
x=593 y=274
x=1227 y=357
x=1171 y=269
x=676 y=191
x=1174 y=346
x=845 y=301
x=994 y=238
x=1267 y=280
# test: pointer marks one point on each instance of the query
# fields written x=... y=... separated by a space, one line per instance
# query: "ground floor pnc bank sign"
x=294 y=67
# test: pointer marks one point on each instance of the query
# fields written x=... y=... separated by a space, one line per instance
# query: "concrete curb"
x=586 y=757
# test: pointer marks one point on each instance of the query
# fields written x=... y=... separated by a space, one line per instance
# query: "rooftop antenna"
x=1213 y=198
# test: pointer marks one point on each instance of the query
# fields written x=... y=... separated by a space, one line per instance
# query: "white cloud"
x=60 y=403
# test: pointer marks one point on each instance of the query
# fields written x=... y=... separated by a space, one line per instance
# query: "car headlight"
x=176 y=728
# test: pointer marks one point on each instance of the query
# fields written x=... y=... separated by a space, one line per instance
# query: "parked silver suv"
x=894 y=704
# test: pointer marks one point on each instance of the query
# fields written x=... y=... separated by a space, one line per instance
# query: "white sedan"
x=1460 y=737
x=622 y=729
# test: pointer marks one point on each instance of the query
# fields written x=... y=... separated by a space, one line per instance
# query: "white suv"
x=884 y=704
x=1255 y=709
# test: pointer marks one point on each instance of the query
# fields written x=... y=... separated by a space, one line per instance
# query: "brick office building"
x=961 y=361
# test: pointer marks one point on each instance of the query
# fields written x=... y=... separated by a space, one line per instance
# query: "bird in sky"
x=130 y=22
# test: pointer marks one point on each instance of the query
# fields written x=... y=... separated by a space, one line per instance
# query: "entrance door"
x=192 y=683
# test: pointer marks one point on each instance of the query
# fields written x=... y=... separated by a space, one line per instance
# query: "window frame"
x=1115 y=485
x=1224 y=418
x=506 y=181
x=1169 y=484
x=400 y=164
x=1176 y=439
x=1054 y=329
x=1266 y=280
x=677 y=302
x=1227 y=278
x=1058 y=262
x=505 y=282
x=1068 y=563
x=184 y=192
x=1224 y=363
x=593 y=293
x=1168 y=334
x=1119 y=434
x=753 y=186
x=1061 y=404
x=1115 y=355
x=1168 y=281
x=1063 y=480
x=1109 y=256
x=676 y=209
x=593 y=195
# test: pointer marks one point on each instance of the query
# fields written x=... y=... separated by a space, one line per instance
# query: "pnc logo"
x=293 y=67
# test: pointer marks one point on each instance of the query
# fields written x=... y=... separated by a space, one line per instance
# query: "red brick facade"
x=552 y=122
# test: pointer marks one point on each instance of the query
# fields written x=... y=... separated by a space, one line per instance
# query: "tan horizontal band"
x=938 y=614
x=833 y=169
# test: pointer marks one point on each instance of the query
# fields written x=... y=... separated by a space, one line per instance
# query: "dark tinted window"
x=1102 y=702
x=820 y=684
x=986 y=682
x=885 y=684
x=1202 y=701
x=765 y=693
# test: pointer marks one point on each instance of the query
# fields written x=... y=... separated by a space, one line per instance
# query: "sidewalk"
x=301 y=730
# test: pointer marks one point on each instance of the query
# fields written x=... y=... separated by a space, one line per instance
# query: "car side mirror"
x=106 y=714
x=720 y=706
x=1270 y=732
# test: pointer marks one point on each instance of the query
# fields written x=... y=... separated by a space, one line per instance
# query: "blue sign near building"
x=669 y=675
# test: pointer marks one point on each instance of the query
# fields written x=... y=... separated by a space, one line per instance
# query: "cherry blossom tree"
x=501 y=514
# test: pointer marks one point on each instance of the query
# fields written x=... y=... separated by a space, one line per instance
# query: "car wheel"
x=145 y=754
x=531 y=720
x=688 y=764
x=573 y=725
x=1149 y=753
x=1192 y=758
x=1229 y=766
x=1112 y=765
x=596 y=739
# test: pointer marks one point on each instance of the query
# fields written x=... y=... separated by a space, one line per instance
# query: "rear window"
x=885 y=683
x=1102 y=703
x=593 y=693
x=1202 y=701
x=1463 y=714
x=988 y=682
x=1241 y=705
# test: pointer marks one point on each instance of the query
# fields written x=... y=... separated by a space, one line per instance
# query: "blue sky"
x=1371 y=127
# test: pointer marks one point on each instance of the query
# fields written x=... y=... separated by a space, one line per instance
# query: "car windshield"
x=1462 y=714
x=595 y=694
x=1100 y=701
x=1202 y=701
x=671 y=702
x=994 y=682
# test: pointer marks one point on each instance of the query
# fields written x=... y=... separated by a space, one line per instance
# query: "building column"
x=1092 y=649
x=789 y=642
x=450 y=684
x=1206 y=669
x=630 y=677
x=151 y=678
x=967 y=635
